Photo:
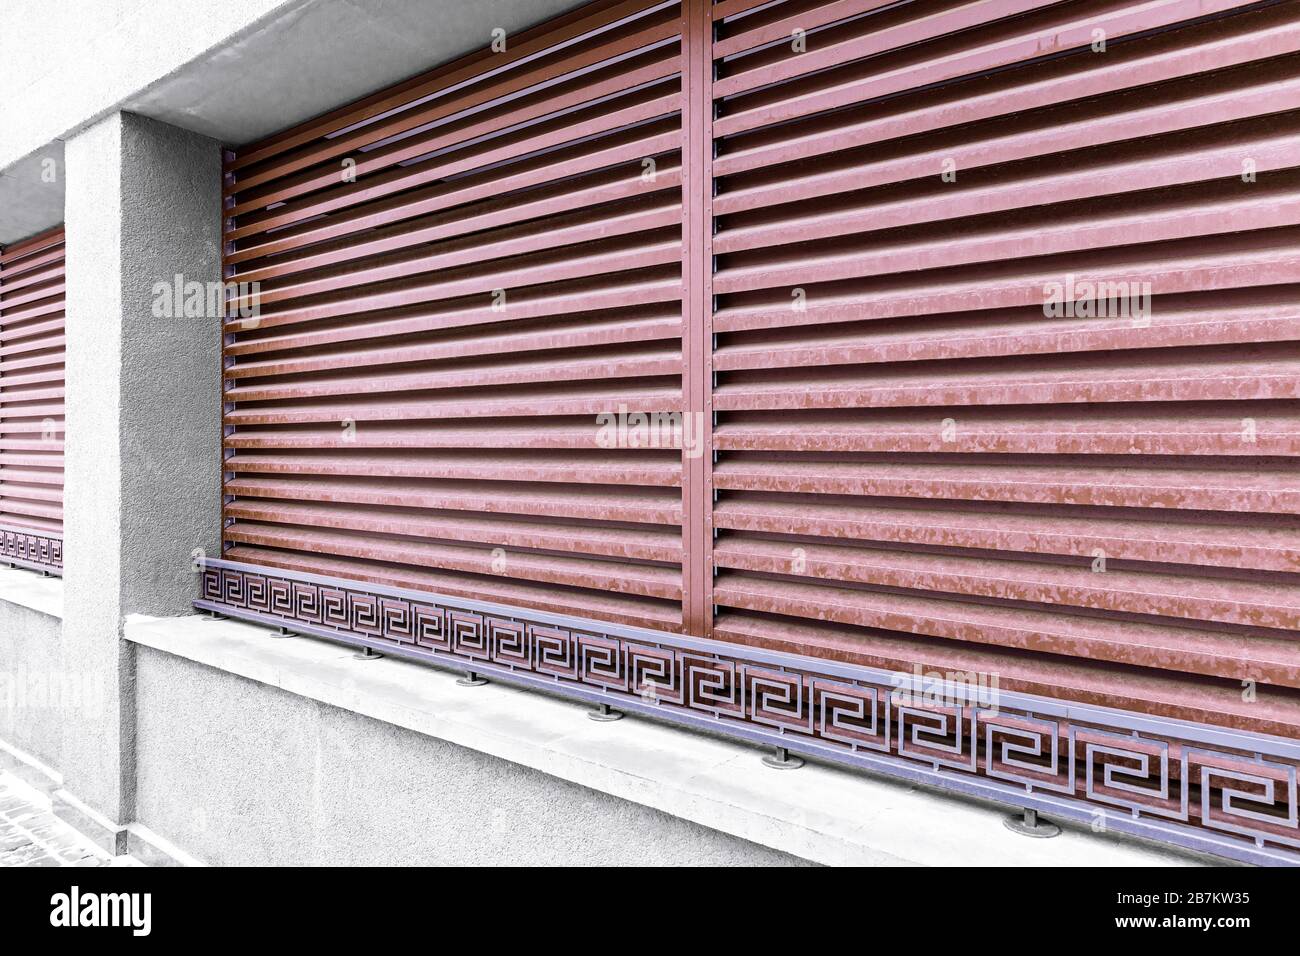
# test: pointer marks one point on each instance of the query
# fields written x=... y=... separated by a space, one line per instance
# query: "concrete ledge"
x=32 y=590
x=820 y=813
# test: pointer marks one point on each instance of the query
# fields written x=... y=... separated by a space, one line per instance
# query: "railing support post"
x=782 y=759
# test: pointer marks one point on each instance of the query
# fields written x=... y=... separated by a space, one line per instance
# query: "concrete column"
x=143 y=205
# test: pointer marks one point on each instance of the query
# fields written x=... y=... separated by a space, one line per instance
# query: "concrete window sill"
x=821 y=813
x=31 y=590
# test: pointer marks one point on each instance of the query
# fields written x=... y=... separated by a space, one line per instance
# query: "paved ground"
x=30 y=835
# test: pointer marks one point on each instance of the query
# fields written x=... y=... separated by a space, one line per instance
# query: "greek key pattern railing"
x=38 y=550
x=1205 y=788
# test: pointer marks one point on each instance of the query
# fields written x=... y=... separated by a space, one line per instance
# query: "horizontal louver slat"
x=32 y=348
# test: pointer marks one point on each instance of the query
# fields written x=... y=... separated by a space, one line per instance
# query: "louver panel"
x=878 y=348
x=31 y=402
x=454 y=279
x=1006 y=367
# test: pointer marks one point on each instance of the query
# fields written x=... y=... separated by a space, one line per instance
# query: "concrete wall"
x=170 y=439
x=238 y=772
x=35 y=685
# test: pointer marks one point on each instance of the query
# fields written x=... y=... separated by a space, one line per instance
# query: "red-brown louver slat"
x=31 y=402
x=952 y=429
x=456 y=278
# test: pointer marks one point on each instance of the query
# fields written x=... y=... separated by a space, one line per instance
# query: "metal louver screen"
x=839 y=248
x=457 y=276
x=981 y=321
x=31 y=402
x=938 y=444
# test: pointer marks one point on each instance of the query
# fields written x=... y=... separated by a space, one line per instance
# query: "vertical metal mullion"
x=227 y=339
x=2 y=392
x=697 y=315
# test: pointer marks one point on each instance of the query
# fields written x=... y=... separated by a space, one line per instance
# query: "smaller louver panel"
x=32 y=401
x=468 y=286
x=925 y=455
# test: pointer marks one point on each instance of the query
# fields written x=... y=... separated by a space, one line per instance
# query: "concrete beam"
x=234 y=71
x=31 y=194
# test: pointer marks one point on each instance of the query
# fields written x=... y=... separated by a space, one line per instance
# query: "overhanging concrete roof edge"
x=299 y=60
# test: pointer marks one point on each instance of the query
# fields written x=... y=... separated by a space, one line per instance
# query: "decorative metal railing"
x=1205 y=788
x=27 y=548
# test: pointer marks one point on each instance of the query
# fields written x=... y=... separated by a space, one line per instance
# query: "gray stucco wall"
x=237 y=772
x=170 y=368
x=35 y=686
